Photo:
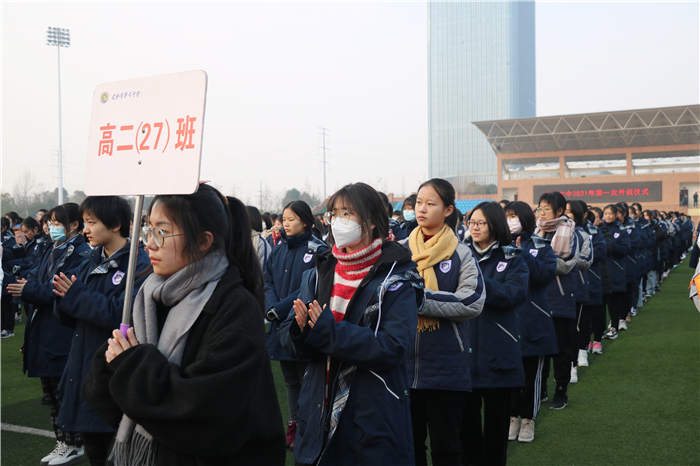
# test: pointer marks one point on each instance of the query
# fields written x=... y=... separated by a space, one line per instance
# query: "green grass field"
x=637 y=404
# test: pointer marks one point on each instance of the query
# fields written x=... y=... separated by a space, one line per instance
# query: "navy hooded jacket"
x=285 y=266
x=620 y=249
x=92 y=308
x=496 y=360
x=374 y=426
x=537 y=336
x=47 y=342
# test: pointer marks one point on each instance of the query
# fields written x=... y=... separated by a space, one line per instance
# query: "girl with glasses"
x=555 y=226
x=192 y=383
x=354 y=320
x=495 y=361
x=438 y=359
x=283 y=273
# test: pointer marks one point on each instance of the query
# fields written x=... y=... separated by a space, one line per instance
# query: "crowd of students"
x=390 y=327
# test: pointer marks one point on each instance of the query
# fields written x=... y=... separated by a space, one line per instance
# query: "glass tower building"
x=481 y=66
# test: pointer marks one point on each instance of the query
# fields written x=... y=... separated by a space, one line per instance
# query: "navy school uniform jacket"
x=495 y=359
x=632 y=261
x=47 y=342
x=374 y=336
x=25 y=256
x=595 y=276
x=285 y=266
x=439 y=359
x=407 y=228
x=616 y=259
x=92 y=308
x=537 y=336
x=395 y=227
x=561 y=292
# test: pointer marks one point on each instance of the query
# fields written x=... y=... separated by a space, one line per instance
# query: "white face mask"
x=346 y=234
x=515 y=226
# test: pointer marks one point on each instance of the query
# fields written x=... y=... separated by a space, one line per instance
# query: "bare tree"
x=23 y=190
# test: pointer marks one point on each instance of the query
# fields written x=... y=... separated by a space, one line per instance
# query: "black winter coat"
x=219 y=407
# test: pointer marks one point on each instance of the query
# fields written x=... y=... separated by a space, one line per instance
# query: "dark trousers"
x=97 y=446
x=576 y=334
x=49 y=385
x=562 y=360
x=618 y=306
x=440 y=412
x=525 y=402
x=7 y=313
x=487 y=445
x=597 y=315
x=633 y=291
x=293 y=372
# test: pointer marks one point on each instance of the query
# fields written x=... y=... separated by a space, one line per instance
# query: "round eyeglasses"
x=158 y=235
x=343 y=216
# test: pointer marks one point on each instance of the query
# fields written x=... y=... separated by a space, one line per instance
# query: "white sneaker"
x=622 y=325
x=582 y=358
x=60 y=446
x=527 y=431
x=514 y=428
x=71 y=455
x=574 y=374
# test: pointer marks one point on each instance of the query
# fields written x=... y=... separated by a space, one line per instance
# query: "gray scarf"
x=186 y=297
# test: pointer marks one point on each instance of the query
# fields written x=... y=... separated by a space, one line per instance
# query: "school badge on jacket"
x=308 y=257
x=501 y=266
x=117 y=277
x=446 y=266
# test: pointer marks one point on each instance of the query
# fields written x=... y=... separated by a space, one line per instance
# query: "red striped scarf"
x=349 y=272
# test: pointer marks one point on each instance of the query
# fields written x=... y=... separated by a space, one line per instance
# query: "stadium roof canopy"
x=608 y=130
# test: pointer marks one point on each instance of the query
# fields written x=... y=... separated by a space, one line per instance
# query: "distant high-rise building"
x=481 y=66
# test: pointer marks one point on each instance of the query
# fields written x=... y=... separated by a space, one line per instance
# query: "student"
x=354 y=320
x=285 y=267
x=262 y=247
x=25 y=255
x=192 y=382
x=555 y=226
x=396 y=233
x=90 y=302
x=632 y=273
x=495 y=360
x=574 y=210
x=461 y=230
x=47 y=342
x=537 y=336
x=438 y=361
x=618 y=301
x=276 y=233
x=409 y=215
x=593 y=312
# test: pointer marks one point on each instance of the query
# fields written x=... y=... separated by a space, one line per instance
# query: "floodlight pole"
x=56 y=36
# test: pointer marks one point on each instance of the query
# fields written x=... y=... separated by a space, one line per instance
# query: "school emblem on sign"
x=307 y=258
x=117 y=277
x=501 y=266
x=445 y=266
x=534 y=252
x=616 y=235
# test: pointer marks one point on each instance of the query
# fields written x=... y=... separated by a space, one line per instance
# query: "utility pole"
x=325 y=196
x=59 y=37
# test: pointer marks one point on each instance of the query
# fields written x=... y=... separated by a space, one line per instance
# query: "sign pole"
x=131 y=271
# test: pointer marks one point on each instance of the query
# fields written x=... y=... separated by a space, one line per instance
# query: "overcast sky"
x=279 y=71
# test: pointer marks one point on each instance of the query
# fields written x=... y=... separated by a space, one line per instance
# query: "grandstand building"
x=650 y=156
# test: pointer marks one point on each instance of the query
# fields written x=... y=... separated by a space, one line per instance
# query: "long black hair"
x=524 y=213
x=446 y=191
x=577 y=212
x=207 y=210
x=366 y=204
x=302 y=210
x=496 y=220
x=623 y=208
x=254 y=218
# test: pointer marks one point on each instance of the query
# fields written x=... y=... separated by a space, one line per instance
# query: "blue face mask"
x=58 y=234
x=409 y=215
